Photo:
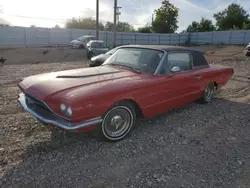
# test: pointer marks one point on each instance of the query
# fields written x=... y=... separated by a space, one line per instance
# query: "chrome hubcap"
x=117 y=122
x=209 y=92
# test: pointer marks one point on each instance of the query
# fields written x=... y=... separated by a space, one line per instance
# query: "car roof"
x=162 y=47
x=86 y=36
x=96 y=41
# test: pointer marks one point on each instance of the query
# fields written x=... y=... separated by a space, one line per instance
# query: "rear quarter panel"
x=218 y=74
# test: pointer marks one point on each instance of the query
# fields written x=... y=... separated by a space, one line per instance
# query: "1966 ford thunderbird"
x=135 y=82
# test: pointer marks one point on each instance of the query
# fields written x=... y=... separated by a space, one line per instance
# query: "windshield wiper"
x=128 y=66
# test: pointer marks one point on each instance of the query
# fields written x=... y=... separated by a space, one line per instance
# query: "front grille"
x=43 y=110
x=32 y=102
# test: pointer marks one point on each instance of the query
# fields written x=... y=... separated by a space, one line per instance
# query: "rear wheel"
x=208 y=93
x=117 y=122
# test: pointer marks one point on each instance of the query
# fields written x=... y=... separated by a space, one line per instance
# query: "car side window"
x=179 y=59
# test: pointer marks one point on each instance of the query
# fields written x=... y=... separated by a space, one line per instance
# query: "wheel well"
x=138 y=110
x=216 y=85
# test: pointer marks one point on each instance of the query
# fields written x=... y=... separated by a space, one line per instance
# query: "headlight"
x=63 y=107
x=66 y=109
x=69 y=111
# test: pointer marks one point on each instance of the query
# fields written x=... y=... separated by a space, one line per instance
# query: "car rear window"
x=198 y=59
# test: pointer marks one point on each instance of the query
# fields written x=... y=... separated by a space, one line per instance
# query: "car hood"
x=75 y=41
x=100 y=57
x=100 y=50
x=43 y=85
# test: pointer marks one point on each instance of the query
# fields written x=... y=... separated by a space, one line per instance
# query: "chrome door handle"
x=198 y=77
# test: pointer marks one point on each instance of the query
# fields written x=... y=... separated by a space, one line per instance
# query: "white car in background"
x=247 y=50
x=82 y=41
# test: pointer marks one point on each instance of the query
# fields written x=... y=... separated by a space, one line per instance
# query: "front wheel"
x=208 y=93
x=89 y=55
x=117 y=122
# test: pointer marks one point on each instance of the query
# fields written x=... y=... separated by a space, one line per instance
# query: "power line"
x=51 y=19
x=29 y=17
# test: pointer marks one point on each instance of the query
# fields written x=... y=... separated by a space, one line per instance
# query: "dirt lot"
x=197 y=146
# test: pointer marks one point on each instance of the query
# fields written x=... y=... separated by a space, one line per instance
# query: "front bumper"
x=247 y=52
x=51 y=118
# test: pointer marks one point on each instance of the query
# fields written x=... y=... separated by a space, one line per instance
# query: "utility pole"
x=152 y=19
x=97 y=19
x=114 y=29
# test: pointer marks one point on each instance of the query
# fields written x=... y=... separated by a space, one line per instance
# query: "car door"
x=178 y=87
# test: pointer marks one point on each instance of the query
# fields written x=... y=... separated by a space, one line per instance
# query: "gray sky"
x=48 y=13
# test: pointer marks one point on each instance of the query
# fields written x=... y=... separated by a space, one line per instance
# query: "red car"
x=135 y=82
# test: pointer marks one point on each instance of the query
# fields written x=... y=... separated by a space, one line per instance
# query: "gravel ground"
x=41 y=55
x=196 y=146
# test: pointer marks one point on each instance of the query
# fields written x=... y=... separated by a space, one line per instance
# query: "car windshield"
x=97 y=45
x=111 y=51
x=141 y=59
x=81 y=38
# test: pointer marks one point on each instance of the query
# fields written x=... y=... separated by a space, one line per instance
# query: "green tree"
x=33 y=26
x=82 y=23
x=206 y=25
x=166 y=18
x=3 y=22
x=145 y=29
x=202 y=26
x=193 y=27
x=234 y=16
x=121 y=27
x=56 y=26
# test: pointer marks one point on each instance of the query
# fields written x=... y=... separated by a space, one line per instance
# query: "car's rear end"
x=221 y=74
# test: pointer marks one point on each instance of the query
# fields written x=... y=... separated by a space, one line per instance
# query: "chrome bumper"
x=51 y=118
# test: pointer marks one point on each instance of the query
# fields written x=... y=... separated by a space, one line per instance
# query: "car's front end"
x=47 y=116
x=95 y=48
x=69 y=100
x=45 y=97
x=97 y=51
x=98 y=60
x=77 y=44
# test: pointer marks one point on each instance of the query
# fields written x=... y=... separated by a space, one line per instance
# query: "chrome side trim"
x=67 y=125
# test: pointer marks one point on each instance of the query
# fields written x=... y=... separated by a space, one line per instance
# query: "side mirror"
x=175 y=69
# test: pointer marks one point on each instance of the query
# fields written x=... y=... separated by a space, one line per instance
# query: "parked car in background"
x=95 y=47
x=81 y=41
x=101 y=58
x=247 y=50
x=135 y=82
